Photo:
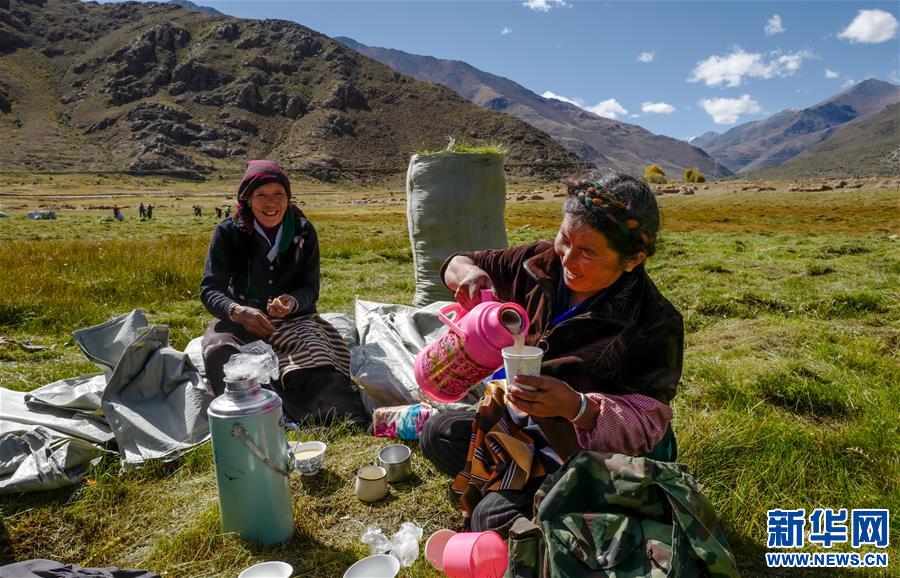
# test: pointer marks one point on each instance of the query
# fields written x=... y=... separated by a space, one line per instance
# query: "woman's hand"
x=468 y=293
x=281 y=306
x=253 y=320
x=552 y=397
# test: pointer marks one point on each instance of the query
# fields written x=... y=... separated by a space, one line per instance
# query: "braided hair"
x=620 y=207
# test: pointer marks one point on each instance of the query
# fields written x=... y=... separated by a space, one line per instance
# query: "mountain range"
x=773 y=141
x=598 y=140
x=159 y=89
x=870 y=147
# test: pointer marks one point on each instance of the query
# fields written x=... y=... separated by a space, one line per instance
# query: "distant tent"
x=3 y=215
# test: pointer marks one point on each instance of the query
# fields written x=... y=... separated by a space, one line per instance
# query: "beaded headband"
x=616 y=213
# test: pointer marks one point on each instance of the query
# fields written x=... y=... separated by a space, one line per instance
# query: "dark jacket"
x=237 y=269
x=629 y=339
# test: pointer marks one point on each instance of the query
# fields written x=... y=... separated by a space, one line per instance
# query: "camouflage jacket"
x=615 y=516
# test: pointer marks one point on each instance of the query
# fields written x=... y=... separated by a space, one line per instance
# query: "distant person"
x=117 y=213
x=227 y=212
x=149 y=212
x=198 y=212
x=218 y=212
x=613 y=349
x=142 y=211
x=261 y=281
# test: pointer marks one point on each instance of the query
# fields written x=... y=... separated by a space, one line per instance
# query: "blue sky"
x=675 y=68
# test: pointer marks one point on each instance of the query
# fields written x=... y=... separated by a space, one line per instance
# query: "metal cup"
x=396 y=459
x=371 y=483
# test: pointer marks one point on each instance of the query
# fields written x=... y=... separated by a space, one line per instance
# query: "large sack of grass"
x=454 y=202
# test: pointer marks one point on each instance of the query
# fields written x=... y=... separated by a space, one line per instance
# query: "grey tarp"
x=149 y=403
x=454 y=202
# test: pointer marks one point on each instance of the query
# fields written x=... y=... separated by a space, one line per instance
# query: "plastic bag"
x=403 y=545
x=255 y=360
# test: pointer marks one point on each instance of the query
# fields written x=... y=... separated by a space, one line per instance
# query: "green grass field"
x=789 y=397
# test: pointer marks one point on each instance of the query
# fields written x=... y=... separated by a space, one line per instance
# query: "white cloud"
x=657 y=108
x=870 y=27
x=848 y=82
x=774 y=25
x=634 y=116
x=893 y=76
x=576 y=101
x=731 y=68
x=608 y=108
x=506 y=30
x=543 y=5
x=727 y=110
x=646 y=56
x=831 y=73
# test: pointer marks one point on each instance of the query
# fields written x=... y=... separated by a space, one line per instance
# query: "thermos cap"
x=242 y=398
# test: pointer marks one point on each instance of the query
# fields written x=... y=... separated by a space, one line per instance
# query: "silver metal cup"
x=397 y=460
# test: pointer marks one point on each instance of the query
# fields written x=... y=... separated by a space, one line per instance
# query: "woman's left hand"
x=281 y=306
x=552 y=397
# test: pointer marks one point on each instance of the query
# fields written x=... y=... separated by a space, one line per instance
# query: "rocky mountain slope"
x=781 y=137
x=870 y=147
x=159 y=89
x=598 y=140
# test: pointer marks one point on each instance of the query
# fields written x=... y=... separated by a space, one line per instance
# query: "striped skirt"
x=307 y=342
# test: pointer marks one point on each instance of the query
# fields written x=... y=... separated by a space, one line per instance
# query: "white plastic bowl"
x=268 y=570
x=377 y=566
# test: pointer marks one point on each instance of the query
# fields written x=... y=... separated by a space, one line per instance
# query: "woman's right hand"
x=468 y=293
x=253 y=320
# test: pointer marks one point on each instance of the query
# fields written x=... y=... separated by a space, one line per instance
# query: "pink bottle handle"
x=451 y=323
x=486 y=295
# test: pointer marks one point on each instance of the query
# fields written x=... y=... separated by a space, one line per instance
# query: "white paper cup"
x=525 y=361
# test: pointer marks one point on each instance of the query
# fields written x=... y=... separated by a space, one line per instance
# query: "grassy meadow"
x=789 y=396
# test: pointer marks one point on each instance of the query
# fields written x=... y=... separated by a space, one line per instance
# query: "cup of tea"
x=371 y=483
x=396 y=459
x=525 y=360
x=310 y=457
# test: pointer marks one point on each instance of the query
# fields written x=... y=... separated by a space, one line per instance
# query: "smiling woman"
x=613 y=348
x=261 y=281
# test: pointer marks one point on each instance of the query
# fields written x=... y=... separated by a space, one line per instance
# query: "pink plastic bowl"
x=475 y=555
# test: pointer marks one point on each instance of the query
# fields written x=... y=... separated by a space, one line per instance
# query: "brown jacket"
x=629 y=339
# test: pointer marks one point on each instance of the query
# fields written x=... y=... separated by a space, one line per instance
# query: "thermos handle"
x=451 y=322
x=486 y=295
x=239 y=432
x=288 y=424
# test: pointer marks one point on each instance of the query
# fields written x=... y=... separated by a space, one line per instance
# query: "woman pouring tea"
x=613 y=348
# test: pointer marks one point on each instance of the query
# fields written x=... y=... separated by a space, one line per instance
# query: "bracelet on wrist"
x=582 y=407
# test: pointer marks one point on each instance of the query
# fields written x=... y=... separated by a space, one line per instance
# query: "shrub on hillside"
x=654 y=175
x=694 y=176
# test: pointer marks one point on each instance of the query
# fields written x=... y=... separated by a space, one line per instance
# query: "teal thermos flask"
x=252 y=463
